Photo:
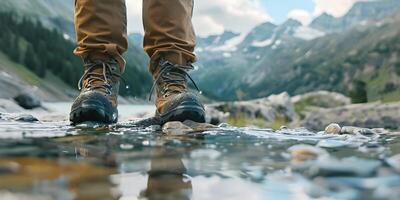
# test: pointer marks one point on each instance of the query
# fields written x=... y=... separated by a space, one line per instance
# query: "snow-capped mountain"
x=296 y=58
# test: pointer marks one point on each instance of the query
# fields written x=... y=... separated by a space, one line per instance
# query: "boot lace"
x=178 y=79
x=96 y=80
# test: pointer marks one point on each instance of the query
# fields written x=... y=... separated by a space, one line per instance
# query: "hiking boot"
x=174 y=102
x=97 y=100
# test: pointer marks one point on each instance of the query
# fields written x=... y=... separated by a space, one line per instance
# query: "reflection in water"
x=167 y=177
x=55 y=161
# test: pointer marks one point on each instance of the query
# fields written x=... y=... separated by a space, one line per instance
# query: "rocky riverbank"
x=313 y=111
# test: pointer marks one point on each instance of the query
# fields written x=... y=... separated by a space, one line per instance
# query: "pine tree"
x=359 y=92
x=14 y=49
x=32 y=62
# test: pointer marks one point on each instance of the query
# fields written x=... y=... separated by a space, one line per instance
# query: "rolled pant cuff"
x=98 y=55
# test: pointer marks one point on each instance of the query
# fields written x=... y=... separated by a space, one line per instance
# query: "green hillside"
x=43 y=51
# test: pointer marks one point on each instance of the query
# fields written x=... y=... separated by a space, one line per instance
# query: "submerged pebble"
x=303 y=152
x=332 y=129
x=9 y=167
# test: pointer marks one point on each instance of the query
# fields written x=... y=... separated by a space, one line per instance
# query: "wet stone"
x=9 y=167
x=332 y=129
x=28 y=100
x=302 y=152
x=200 y=127
x=25 y=118
x=352 y=130
x=176 y=128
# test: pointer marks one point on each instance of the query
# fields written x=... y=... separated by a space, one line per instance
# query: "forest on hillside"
x=43 y=51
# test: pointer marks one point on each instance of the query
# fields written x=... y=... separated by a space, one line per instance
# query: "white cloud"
x=211 y=16
x=336 y=8
x=301 y=15
x=238 y=15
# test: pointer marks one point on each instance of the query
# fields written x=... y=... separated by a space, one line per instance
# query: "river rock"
x=333 y=129
x=28 y=100
x=369 y=115
x=199 y=127
x=25 y=118
x=9 y=167
x=352 y=130
x=176 y=128
x=302 y=152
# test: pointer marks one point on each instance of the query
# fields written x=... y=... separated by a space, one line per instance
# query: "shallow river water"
x=52 y=160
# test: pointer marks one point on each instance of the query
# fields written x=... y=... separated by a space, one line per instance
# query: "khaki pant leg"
x=169 y=31
x=101 y=29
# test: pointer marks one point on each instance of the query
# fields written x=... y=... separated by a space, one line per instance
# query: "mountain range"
x=340 y=54
x=331 y=53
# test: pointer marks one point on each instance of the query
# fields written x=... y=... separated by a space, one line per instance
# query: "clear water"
x=52 y=160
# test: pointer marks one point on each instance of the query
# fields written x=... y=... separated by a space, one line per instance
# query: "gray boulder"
x=28 y=100
x=268 y=109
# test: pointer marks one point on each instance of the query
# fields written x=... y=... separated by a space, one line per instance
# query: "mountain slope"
x=52 y=13
x=295 y=58
x=360 y=13
x=58 y=15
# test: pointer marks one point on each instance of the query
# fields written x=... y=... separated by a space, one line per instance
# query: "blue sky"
x=279 y=9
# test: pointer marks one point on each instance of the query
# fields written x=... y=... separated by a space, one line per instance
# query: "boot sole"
x=92 y=113
x=183 y=113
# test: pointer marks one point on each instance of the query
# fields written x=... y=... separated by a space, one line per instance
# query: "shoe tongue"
x=176 y=81
x=98 y=73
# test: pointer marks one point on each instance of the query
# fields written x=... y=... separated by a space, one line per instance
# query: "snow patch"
x=276 y=44
x=307 y=33
x=264 y=43
x=231 y=44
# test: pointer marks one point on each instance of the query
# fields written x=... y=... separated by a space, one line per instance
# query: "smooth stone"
x=303 y=152
x=176 y=128
x=199 y=127
x=394 y=162
x=351 y=166
x=28 y=100
x=9 y=167
x=333 y=129
x=352 y=130
x=26 y=118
